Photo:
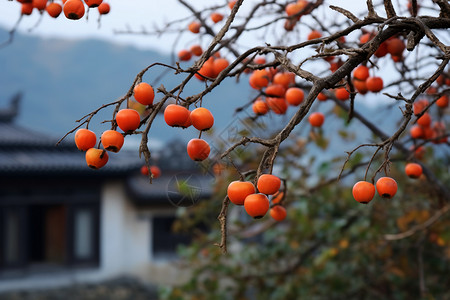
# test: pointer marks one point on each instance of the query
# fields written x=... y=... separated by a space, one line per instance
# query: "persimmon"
x=194 y=27
x=442 y=102
x=176 y=115
x=315 y=34
x=156 y=171
x=374 y=84
x=207 y=70
x=289 y=24
x=231 y=4
x=275 y=90
x=277 y=105
x=144 y=170
x=93 y=3
x=216 y=17
x=202 y=119
x=361 y=72
x=26 y=9
x=104 y=8
x=73 y=9
x=424 y=120
x=184 y=55
x=54 y=9
x=316 y=119
x=256 y=205
x=144 y=93
x=416 y=132
x=39 y=4
x=96 y=158
x=198 y=149
x=259 y=79
x=294 y=96
x=293 y=9
x=395 y=46
x=85 y=139
x=363 y=191
x=386 y=187
x=360 y=86
x=322 y=97
x=268 y=184
x=219 y=64
x=128 y=119
x=341 y=94
x=278 y=213
x=112 y=140
x=284 y=78
x=413 y=170
x=237 y=191
x=260 y=107
x=260 y=60
x=196 y=50
x=382 y=50
x=420 y=105
x=366 y=37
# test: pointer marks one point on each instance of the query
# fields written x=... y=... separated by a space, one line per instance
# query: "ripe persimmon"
x=202 y=118
x=156 y=171
x=341 y=94
x=231 y=4
x=315 y=34
x=363 y=191
x=268 y=184
x=278 y=213
x=96 y=158
x=259 y=79
x=39 y=4
x=386 y=187
x=275 y=90
x=26 y=9
x=93 y=3
x=277 y=105
x=382 y=50
x=294 y=96
x=207 y=70
x=413 y=170
x=85 y=139
x=442 y=102
x=73 y=9
x=256 y=205
x=216 y=17
x=374 y=84
x=277 y=197
x=395 y=46
x=104 y=8
x=361 y=72
x=219 y=64
x=112 y=140
x=284 y=78
x=260 y=107
x=194 y=27
x=420 y=105
x=322 y=97
x=237 y=191
x=144 y=93
x=184 y=55
x=54 y=9
x=416 y=132
x=360 y=86
x=177 y=115
x=198 y=149
x=316 y=119
x=424 y=120
x=196 y=50
x=128 y=119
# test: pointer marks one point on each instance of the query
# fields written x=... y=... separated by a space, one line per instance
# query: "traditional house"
x=62 y=223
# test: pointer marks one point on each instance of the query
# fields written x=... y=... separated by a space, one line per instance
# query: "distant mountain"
x=62 y=80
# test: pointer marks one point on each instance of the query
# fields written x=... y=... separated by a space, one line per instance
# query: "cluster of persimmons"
x=73 y=9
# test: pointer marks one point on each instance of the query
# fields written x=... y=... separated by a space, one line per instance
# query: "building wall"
x=125 y=248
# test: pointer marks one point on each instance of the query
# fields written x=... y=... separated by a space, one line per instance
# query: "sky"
x=134 y=14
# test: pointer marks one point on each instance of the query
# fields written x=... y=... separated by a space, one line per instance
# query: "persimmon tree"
x=315 y=62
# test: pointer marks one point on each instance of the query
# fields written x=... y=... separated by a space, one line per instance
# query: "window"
x=164 y=240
